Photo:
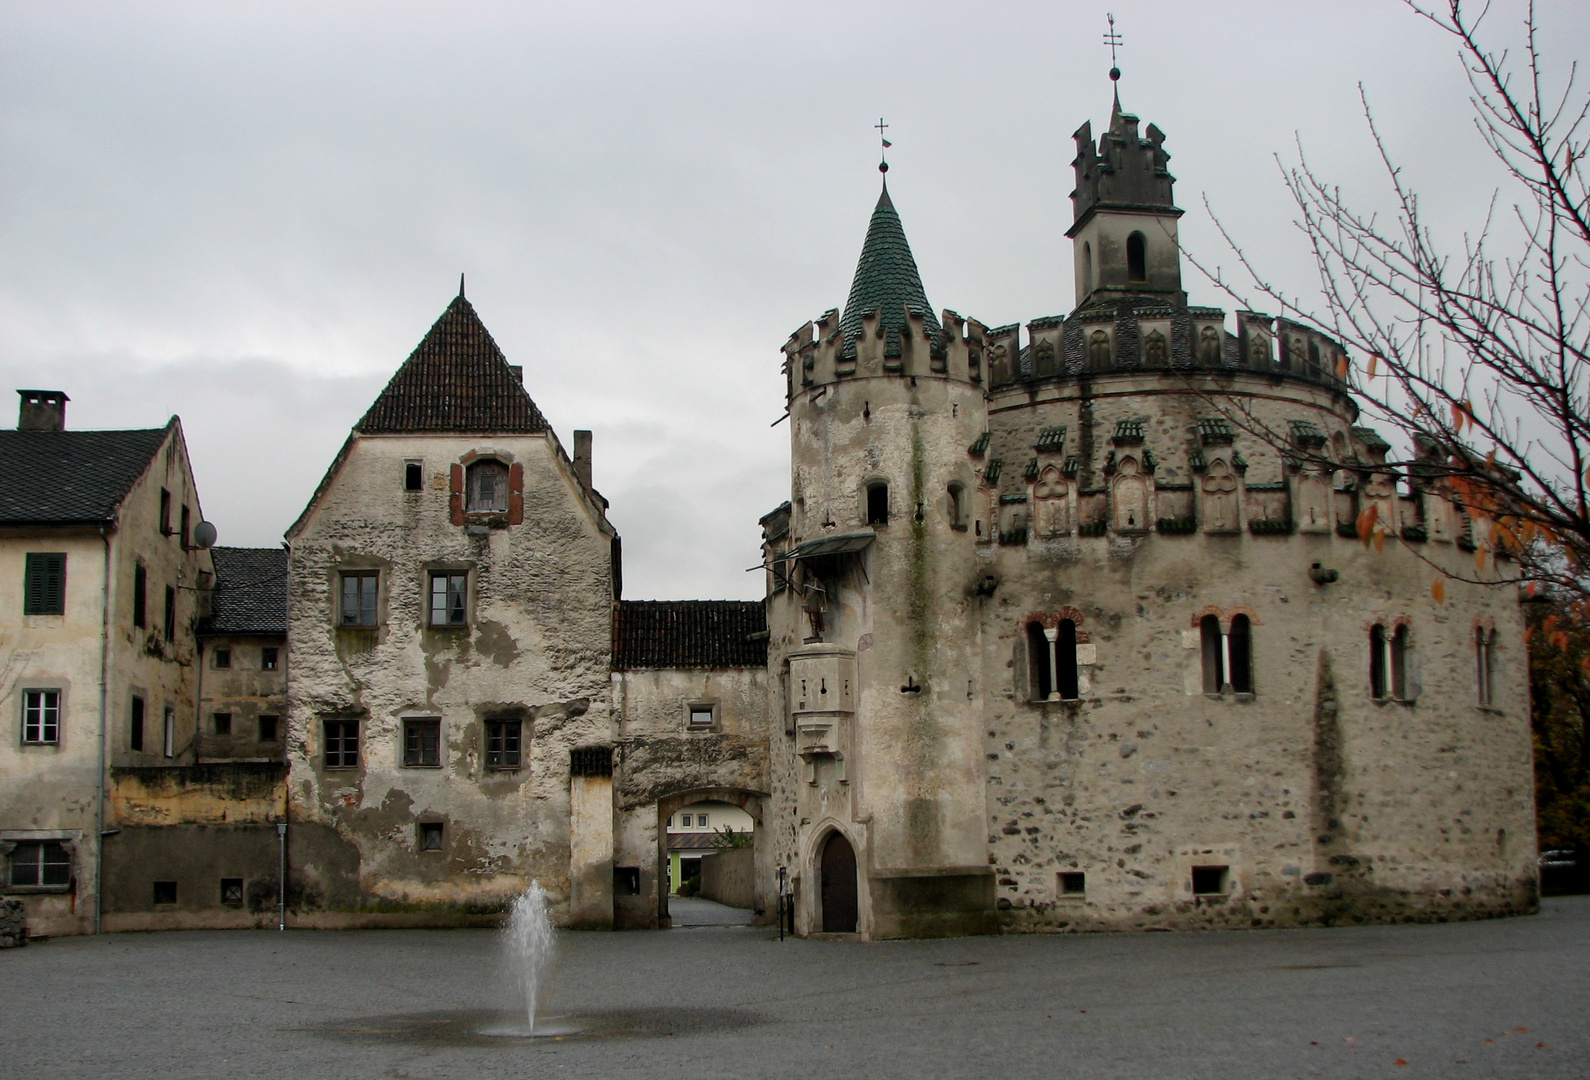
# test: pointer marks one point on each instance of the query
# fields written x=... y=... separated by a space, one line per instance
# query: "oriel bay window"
x=449 y=598
x=360 y=590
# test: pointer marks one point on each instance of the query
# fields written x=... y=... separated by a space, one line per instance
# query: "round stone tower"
x=879 y=622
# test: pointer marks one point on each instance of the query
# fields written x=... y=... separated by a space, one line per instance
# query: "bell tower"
x=1124 y=229
x=883 y=619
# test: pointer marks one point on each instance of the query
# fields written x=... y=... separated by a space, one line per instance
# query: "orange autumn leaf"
x=1529 y=632
x=1550 y=624
x=1438 y=590
x=1341 y=366
x=1380 y=540
x=1374 y=360
x=1479 y=558
x=1457 y=417
x=1560 y=639
x=1366 y=522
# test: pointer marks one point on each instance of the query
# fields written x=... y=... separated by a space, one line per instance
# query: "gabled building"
x=101 y=582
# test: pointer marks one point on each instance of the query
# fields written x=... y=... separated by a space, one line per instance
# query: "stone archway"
x=744 y=798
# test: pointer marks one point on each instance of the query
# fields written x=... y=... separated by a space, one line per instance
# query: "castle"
x=1064 y=631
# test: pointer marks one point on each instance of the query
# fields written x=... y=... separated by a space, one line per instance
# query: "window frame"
x=275 y=721
x=1240 y=647
x=221 y=723
x=44 y=583
x=221 y=658
x=478 y=468
x=359 y=574
x=501 y=754
x=694 y=708
x=140 y=611
x=416 y=745
x=228 y=901
x=876 y=502
x=1485 y=666
x=270 y=658
x=48 y=727
x=347 y=730
x=425 y=830
x=1137 y=268
x=456 y=591
x=414 y=475
x=171 y=614
x=1064 y=879
x=41 y=865
x=137 y=718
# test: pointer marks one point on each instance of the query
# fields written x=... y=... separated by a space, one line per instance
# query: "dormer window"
x=487 y=486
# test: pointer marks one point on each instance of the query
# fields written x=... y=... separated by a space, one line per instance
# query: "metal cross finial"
x=883 y=158
x=1113 y=39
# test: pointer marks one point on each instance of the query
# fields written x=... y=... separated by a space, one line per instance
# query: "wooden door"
x=839 y=886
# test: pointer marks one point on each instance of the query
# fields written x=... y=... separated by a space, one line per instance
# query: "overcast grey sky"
x=249 y=214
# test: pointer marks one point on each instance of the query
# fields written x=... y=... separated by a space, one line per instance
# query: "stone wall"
x=729 y=878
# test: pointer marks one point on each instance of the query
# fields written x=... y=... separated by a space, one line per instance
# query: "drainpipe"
x=198 y=698
x=281 y=878
x=104 y=675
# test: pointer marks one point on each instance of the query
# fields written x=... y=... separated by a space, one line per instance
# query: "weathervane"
x=883 y=157
x=1113 y=40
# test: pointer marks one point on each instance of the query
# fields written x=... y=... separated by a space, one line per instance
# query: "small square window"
x=1073 y=884
x=41 y=717
x=449 y=598
x=422 y=743
x=165 y=892
x=223 y=658
x=359 y=592
x=430 y=836
x=413 y=476
x=684 y=822
x=502 y=743
x=342 y=744
x=223 y=723
x=701 y=821
x=232 y=891
x=1210 y=880
x=268 y=659
x=269 y=728
x=40 y=864
x=702 y=716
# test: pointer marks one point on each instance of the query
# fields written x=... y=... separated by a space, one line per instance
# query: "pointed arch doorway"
x=838 y=885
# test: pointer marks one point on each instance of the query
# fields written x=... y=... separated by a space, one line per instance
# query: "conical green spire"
x=887 y=281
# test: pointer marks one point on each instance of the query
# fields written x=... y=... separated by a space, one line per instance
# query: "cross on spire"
x=1113 y=40
x=883 y=157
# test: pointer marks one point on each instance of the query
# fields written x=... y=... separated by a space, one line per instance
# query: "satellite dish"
x=204 y=534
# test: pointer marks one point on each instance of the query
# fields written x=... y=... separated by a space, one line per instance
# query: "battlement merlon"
x=1124 y=171
x=818 y=353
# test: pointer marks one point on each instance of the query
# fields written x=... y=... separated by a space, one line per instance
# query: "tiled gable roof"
x=71 y=477
x=250 y=594
x=689 y=634
x=456 y=380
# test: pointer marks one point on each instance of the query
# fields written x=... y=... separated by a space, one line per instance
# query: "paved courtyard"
x=1508 y=998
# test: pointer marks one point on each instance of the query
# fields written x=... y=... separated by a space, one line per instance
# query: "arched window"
x=878 y=503
x=1065 y=649
x=1087 y=267
x=1038 y=657
x=1213 y=653
x=956 y=506
x=1484 y=644
x=487 y=487
x=1379 y=660
x=1136 y=258
x=1240 y=647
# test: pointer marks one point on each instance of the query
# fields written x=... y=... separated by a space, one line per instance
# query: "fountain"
x=528 y=946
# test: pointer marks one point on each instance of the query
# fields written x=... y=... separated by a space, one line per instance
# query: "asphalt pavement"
x=1497 y=999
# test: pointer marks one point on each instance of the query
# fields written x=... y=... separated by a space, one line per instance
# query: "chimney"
x=582 y=457
x=518 y=372
x=45 y=410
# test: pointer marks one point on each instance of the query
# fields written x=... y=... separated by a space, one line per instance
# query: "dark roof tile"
x=689 y=634
x=71 y=477
x=456 y=380
x=887 y=281
x=250 y=594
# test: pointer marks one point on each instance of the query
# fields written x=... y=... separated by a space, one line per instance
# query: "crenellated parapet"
x=821 y=353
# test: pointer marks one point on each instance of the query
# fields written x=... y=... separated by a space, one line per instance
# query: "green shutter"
x=44 y=584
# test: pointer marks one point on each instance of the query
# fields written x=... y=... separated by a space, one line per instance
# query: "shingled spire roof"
x=456 y=380
x=887 y=281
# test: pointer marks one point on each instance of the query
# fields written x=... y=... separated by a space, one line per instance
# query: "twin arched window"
x=1053 y=659
x=1227 y=655
x=1484 y=653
